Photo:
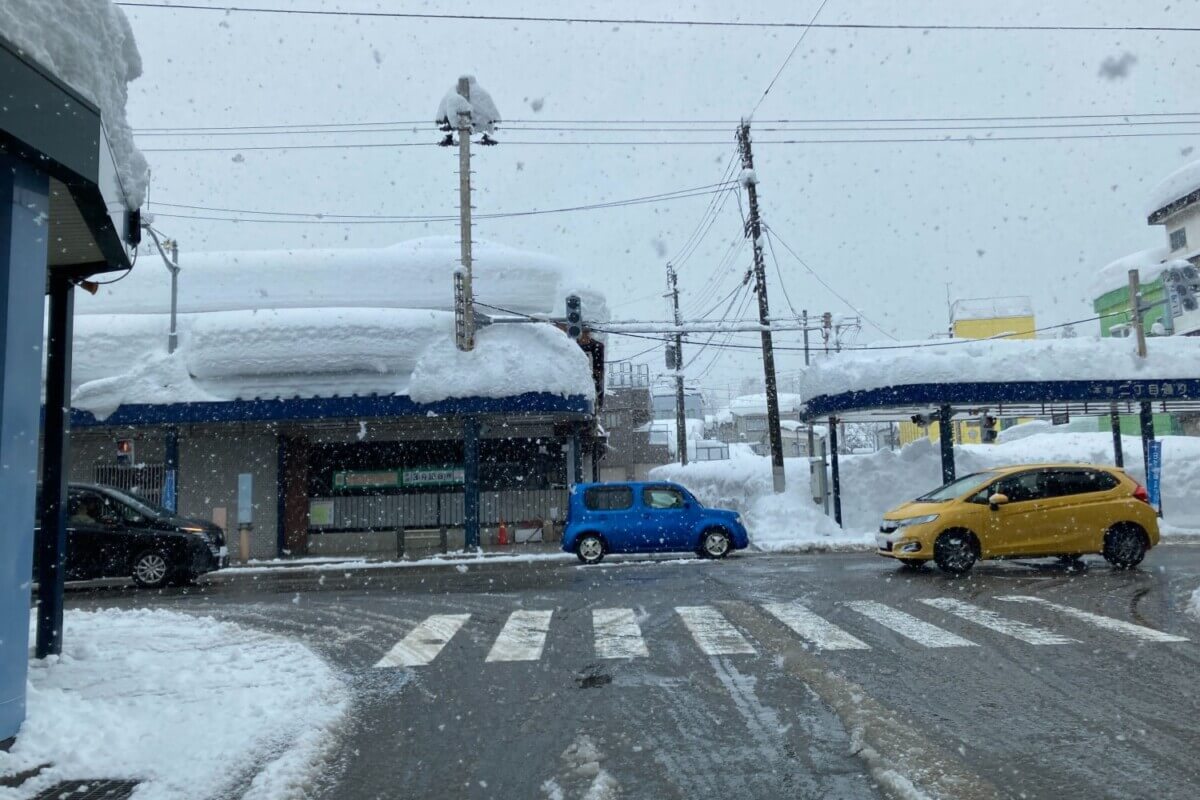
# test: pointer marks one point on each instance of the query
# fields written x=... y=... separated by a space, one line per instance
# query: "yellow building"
x=979 y=318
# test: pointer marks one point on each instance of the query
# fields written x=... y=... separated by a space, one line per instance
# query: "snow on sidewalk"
x=192 y=707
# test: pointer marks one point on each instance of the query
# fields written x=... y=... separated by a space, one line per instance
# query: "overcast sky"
x=885 y=225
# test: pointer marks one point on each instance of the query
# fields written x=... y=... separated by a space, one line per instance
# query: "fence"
x=434 y=509
x=144 y=480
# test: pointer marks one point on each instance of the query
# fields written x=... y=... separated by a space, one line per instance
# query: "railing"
x=144 y=480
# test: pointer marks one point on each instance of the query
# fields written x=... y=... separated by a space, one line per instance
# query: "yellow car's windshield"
x=957 y=488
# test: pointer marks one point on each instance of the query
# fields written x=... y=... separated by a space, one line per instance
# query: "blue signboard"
x=168 y=491
x=1154 y=474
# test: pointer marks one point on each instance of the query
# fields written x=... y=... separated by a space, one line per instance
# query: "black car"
x=112 y=534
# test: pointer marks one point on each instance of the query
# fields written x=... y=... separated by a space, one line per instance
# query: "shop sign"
x=320 y=513
x=372 y=479
x=433 y=476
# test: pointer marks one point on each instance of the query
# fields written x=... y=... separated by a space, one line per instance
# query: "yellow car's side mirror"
x=997 y=500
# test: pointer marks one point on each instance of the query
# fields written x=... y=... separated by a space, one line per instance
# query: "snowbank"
x=1179 y=183
x=89 y=45
x=1003 y=361
x=876 y=482
x=1150 y=264
x=775 y=522
x=507 y=360
x=193 y=707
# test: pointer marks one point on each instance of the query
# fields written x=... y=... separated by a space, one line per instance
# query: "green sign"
x=370 y=479
x=433 y=476
x=320 y=513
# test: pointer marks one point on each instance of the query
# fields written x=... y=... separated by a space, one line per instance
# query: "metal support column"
x=1147 y=420
x=470 y=483
x=24 y=208
x=946 y=437
x=170 y=490
x=833 y=468
x=1118 y=451
x=576 y=457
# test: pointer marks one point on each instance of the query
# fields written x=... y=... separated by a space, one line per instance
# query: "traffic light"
x=988 y=426
x=124 y=452
x=574 y=316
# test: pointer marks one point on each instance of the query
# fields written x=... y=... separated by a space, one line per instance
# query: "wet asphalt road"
x=999 y=687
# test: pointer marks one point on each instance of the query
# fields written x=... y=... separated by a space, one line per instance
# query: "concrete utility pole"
x=754 y=230
x=172 y=264
x=464 y=214
x=1135 y=310
x=808 y=425
x=680 y=411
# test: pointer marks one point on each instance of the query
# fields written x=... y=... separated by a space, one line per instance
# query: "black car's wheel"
x=590 y=548
x=1125 y=545
x=955 y=552
x=715 y=543
x=151 y=569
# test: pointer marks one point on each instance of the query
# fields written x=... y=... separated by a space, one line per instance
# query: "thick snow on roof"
x=1004 y=361
x=324 y=322
x=89 y=45
x=1178 y=184
x=991 y=308
x=753 y=404
x=1149 y=263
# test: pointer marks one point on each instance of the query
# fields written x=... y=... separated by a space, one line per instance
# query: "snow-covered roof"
x=314 y=323
x=89 y=45
x=991 y=308
x=755 y=404
x=1176 y=186
x=1003 y=361
x=1149 y=263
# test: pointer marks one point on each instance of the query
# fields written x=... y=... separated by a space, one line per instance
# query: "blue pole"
x=170 y=492
x=470 y=483
x=24 y=210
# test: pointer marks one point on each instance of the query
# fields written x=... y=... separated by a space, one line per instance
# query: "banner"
x=1154 y=474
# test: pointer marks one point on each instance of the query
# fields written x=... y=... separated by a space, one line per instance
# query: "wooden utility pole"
x=1135 y=310
x=680 y=410
x=464 y=213
x=754 y=231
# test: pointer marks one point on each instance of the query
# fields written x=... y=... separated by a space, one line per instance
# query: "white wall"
x=1189 y=219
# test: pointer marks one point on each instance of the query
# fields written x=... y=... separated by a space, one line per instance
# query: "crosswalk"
x=617 y=632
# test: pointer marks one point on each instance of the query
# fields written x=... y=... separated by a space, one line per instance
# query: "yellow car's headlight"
x=904 y=523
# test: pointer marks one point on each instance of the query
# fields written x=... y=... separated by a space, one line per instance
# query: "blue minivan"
x=654 y=517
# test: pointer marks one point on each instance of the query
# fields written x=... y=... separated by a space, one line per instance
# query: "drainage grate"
x=89 y=790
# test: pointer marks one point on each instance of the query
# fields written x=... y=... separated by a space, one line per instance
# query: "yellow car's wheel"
x=956 y=551
x=1125 y=545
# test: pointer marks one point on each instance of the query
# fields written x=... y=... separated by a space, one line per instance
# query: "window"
x=956 y=488
x=1061 y=483
x=754 y=424
x=1021 y=487
x=608 y=498
x=662 y=497
x=614 y=419
x=1179 y=239
x=89 y=508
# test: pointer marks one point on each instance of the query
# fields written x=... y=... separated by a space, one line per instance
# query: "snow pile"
x=507 y=360
x=193 y=707
x=1150 y=264
x=756 y=404
x=790 y=521
x=1178 y=184
x=322 y=323
x=1193 y=606
x=1003 y=361
x=482 y=110
x=89 y=45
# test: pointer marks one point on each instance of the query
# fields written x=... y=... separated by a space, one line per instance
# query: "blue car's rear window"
x=608 y=498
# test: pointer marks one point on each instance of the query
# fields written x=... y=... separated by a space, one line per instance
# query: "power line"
x=788 y=60
x=334 y=127
x=677 y=143
x=695 y=23
x=832 y=291
x=310 y=218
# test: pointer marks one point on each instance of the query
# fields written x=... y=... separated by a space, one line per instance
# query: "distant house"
x=745 y=422
x=630 y=451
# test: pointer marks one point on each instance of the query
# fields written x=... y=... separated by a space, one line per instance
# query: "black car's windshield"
x=957 y=488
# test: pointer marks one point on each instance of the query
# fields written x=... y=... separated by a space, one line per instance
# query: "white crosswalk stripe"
x=908 y=626
x=522 y=637
x=993 y=621
x=712 y=632
x=617 y=634
x=822 y=634
x=424 y=642
x=1100 y=621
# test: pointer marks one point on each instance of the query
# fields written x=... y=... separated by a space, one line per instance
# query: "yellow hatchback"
x=1030 y=511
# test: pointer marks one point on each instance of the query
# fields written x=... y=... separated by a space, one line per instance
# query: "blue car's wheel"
x=589 y=548
x=715 y=544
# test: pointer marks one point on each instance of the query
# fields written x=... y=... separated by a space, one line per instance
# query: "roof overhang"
x=302 y=409
x=1174 y=207
x=58 y=132
x=1014 y=398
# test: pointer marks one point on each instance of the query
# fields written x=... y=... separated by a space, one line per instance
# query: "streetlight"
x=172 y=264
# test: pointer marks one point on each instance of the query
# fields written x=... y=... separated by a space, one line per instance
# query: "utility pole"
x=1135 y=310
x=172 y=264
x=811 y=439
x=464 y=214
x=680 y=411
x=754 y=229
